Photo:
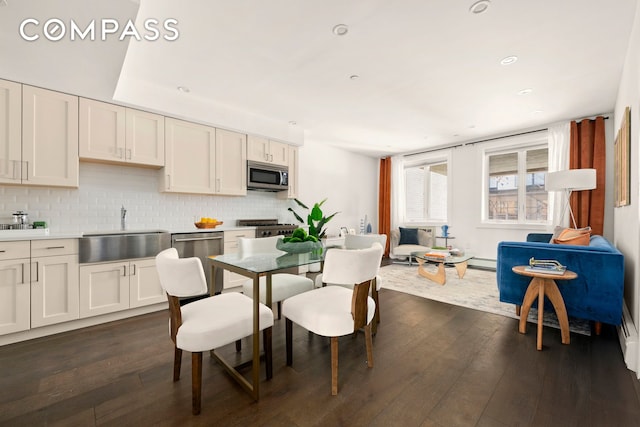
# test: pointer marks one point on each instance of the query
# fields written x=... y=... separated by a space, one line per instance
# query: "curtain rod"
x=464 y=144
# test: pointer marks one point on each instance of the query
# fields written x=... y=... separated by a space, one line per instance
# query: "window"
x=426 y=193
x=516 y=185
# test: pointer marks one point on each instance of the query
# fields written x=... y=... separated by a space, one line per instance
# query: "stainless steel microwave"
x=267 y=176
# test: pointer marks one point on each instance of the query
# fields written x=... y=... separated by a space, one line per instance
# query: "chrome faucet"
x=123 y=218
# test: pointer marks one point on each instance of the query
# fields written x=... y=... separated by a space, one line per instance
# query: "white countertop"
x=42 y=234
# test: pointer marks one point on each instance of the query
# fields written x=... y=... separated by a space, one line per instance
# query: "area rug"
x=477 y=290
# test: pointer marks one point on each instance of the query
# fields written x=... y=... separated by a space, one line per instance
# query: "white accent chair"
x=283 y=285
x=403 y=252
x=335 y=311
x=205 y=324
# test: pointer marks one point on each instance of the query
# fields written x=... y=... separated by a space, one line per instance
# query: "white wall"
x=348 y=180
x=627 y=218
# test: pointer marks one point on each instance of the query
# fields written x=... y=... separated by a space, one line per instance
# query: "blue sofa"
x=595 y=295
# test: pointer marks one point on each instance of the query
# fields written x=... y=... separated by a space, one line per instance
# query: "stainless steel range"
x=268 y=227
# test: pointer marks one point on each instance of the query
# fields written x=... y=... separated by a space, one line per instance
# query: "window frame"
x=429 y=159
x=519 y=145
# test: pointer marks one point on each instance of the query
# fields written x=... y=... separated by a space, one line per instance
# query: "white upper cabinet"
x=292 y=191
x=38 y=136
x=10 y=131
x=267 y=151
x=49 y=138
x=204 y=160
x=114 y=134
x=190 y=157
x=231 y=163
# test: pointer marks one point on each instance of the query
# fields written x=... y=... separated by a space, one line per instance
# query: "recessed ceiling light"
x=508 y=60
x=525 y=91
x=340 y=30
x=293 y=123
x=184 y=89
x=354 y=77
x=480 y=6
x=537 y=111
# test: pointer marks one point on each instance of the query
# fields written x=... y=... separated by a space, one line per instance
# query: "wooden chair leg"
x=597 y=327
x=334 y=366
x=268 y=353
x=518 y=310
x=177 y=363
x=238 y=346
x=196 y=382
x=289 y=341
x=369 y=344
x=279 y=303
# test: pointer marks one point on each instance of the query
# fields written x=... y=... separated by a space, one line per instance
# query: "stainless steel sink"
x=119 y=245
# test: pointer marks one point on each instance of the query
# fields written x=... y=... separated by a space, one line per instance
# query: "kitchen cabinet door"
x=102 y=131
x=190 y=158
x=292 y=191
x=54 y=289
x=279 y=153
x=263 y=150
x=233 y=281
x=104 y=288
x=144 y=284
x=231 y=163
x=49 y=138
x=15 y=295
x=10 y=131
x=144 y=138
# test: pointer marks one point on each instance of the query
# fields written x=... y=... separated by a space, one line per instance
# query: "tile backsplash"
x=104 y=189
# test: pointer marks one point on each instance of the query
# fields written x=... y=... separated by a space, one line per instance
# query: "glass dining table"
x=253 y=267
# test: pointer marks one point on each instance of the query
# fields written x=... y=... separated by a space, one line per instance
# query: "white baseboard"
x=628 y=335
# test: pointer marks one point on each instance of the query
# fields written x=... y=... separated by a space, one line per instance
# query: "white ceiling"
x=429 y=70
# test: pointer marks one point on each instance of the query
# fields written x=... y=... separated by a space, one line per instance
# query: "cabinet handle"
x=129 y=153
x=168 y=182
x=271 y=157
x=16 y=169
x=3 y=251
x=36 y=265
x=119 y=153
x=54 y=247
x=134 y=270
x=124 y=270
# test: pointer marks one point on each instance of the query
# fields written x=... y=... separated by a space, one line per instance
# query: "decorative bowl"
x=208 y=224
x=298 y=247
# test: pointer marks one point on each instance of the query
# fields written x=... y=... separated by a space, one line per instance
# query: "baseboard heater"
x=628 y=335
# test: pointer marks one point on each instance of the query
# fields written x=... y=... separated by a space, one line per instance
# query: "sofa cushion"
x=408 y=236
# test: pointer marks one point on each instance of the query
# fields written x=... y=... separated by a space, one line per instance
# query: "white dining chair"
x=283 y=285
x=335 y=311
x=205 y=324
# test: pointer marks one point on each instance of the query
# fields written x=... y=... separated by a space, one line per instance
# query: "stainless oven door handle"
x=197 y=239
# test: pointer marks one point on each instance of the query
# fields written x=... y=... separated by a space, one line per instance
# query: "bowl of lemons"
x=206 y=222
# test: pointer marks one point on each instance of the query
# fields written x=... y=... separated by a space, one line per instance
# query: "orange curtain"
x=587 y=150
x=384 y=202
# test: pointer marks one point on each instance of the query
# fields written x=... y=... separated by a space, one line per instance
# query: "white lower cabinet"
x=115 y=286
x=231 y=280
x=15 y=294
x=38 y=283
x=144 y=284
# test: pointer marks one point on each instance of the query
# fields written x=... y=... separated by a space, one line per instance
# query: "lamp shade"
x=572 y=180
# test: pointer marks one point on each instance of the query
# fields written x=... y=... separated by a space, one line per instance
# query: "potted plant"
x=316 y=220
x=301 y=240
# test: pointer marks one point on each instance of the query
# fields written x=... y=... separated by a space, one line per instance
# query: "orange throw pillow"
x=574 y=236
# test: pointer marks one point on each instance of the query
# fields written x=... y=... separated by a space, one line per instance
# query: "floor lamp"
x=569 y=181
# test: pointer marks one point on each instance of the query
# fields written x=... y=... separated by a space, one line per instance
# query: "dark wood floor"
x=435 y=365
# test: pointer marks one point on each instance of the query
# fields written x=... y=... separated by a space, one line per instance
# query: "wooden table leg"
x=530 y=295
x=553 y=293
x=461 y=268
x=540 y=312
x=439 y=276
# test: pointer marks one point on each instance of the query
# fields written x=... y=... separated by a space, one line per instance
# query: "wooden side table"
x=544 y=284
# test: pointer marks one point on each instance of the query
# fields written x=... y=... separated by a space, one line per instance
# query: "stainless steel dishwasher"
x=202 y=245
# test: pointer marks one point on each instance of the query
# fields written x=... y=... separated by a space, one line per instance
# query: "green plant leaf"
x=316 y=213
x=302 y=205
x=298 y=217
